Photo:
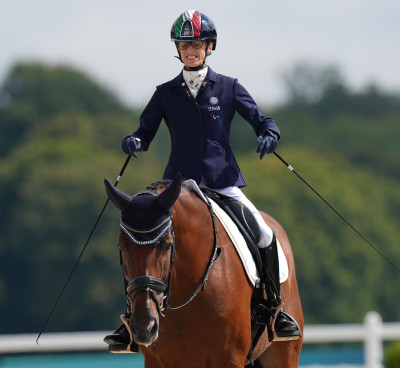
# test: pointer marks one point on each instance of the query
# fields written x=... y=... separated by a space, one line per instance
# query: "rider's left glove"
x=268 y=143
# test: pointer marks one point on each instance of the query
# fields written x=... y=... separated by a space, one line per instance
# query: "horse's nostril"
x=150 y=325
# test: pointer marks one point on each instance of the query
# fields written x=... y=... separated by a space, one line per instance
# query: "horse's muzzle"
x=144 y=320
x=145 y=334
x=149 y=284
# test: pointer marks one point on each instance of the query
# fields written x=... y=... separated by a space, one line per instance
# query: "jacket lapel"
x=178 y=85
x=210 y=78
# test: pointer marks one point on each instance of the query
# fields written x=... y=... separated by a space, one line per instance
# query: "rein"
x=216 y=252
x=150 y=283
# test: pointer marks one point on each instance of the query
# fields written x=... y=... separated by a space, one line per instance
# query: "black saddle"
x=244 y=220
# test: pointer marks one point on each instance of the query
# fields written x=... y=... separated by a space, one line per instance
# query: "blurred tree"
x=307 y=83
x=31 y=93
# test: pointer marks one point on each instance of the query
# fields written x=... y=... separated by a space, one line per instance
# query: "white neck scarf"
x=194 y=79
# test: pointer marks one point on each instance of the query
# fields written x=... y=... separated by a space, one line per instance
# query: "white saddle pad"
x=239 y=242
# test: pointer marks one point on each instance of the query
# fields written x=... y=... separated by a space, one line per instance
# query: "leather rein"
x=153 y=284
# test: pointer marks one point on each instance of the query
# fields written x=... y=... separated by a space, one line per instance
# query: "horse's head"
x=147 y=252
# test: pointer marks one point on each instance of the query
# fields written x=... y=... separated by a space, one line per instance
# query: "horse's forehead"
x=142 y=203
x=143 y=200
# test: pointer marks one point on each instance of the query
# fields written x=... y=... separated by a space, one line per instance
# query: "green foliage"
x=392 y=356
x=60 y=136
x=31 y=93
x=336 y=269
x=52 y=191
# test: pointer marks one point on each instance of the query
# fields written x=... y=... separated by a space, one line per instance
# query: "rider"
x=198 y=107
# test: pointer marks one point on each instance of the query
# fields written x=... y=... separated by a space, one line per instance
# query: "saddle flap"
x=243 y=219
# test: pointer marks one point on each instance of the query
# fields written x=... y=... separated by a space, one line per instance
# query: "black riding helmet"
x=192 y=25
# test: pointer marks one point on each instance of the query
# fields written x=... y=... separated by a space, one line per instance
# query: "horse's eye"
x=168 y=244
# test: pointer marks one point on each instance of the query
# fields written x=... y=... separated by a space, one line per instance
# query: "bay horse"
x=179 y=263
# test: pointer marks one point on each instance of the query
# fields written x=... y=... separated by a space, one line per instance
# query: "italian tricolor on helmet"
x=192 y=25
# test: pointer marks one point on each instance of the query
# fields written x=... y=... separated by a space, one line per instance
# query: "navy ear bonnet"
x=146 y=218
x=144 y=212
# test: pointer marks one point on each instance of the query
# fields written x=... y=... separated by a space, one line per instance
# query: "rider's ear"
x=209 y=48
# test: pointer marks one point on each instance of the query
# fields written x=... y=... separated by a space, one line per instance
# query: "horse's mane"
x=161 y=184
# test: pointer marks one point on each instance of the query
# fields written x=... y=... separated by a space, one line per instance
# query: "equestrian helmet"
x=192 y=25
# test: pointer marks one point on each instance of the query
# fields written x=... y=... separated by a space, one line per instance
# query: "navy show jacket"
x=200 y=127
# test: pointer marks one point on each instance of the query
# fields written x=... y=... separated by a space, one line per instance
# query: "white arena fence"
x=372 y=333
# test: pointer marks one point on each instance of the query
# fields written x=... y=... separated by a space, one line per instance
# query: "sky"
x=125 y=44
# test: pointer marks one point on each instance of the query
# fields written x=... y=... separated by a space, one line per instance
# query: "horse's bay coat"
x=200 y=127
x=213 y=328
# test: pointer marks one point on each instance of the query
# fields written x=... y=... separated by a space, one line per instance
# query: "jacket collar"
x=178 y=80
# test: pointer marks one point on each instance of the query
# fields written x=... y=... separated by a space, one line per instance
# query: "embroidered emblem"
x=189 y=24
x=213 y=106
x=187 y=29
x=213 y=100
x=214 y=116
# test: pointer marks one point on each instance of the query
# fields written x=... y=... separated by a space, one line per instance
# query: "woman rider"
x=198 y=107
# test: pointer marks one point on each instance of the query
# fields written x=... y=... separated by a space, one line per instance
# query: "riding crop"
x=337 y=212
x=83 y=249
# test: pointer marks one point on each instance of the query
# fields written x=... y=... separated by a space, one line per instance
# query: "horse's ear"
x=168 y=197
x=119 y=198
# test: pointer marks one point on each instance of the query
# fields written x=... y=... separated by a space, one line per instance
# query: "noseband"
x=152 y=284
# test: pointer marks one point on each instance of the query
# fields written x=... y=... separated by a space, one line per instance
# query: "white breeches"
x=236 y=193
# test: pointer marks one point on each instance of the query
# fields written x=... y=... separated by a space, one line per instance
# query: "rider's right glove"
x=131 y=145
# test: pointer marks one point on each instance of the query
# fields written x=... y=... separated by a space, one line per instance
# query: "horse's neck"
x=193 y=227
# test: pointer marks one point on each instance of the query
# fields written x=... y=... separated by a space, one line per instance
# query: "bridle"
x=152 y=284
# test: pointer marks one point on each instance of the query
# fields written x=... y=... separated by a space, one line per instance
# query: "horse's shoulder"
x=274 y=224
x=189 y=197
x=189 y=200
x=271 y=222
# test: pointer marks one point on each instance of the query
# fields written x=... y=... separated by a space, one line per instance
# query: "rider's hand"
x=131 y=145
x=268 y=143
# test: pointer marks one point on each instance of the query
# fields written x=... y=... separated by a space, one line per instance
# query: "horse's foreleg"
x=282 y=354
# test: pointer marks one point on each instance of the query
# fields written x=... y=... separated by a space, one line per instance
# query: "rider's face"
x=193 y=57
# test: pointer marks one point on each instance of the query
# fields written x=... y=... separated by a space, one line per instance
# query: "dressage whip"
x=337 y=212
x=83 y=249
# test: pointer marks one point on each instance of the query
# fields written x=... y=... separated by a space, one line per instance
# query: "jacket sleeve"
x=150 y=120
x=248 y=110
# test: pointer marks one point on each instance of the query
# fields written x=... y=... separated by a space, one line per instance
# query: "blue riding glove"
x=131 y=145
x=268 y=143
